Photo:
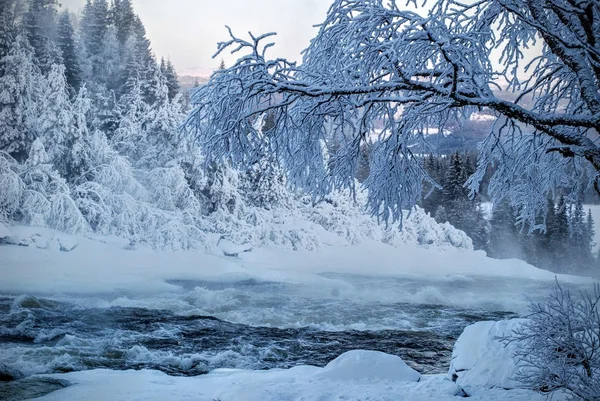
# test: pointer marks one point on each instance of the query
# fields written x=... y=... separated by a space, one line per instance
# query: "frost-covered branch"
x=560 y=345
x=377 y=72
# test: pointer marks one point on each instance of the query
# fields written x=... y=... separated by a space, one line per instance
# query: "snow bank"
x=480 y=360
x=357 y=375
x=368 y=366
x=44 y=261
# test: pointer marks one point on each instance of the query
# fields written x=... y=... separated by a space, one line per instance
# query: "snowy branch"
x=375 y=68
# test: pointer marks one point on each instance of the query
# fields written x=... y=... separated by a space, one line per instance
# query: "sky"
x=187 y=31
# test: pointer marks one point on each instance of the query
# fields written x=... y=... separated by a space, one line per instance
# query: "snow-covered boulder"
x=66 y=243
x=230 y=248
x=479 y=359
x=361 y=365
x=41 y=238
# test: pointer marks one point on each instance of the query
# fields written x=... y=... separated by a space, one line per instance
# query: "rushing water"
x=251 y=324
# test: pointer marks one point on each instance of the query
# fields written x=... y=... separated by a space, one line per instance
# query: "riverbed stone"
x=8 y=374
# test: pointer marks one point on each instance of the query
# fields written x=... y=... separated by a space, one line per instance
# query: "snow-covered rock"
x=41 y=238
x=232 y=249
x=66 y=242
x=361 y=365
x=480 y=360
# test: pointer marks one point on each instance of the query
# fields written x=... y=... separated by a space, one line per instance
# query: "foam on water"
x=252 y=324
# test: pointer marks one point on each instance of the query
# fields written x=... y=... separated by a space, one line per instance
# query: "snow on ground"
x=355 y=375
x=44 y=261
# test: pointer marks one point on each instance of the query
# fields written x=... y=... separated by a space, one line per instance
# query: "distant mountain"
x=189 y=81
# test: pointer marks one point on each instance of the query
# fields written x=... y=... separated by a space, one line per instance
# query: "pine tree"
x=150 y=77
x=503 y=240
x=40 y=25
x=130 y=132
x=18 y=97
x=168 y=72
x=7 y=27
x=67 y=46
x=162 y=142
x=559 y=238
x=94 y=25
x=78 y=163
x=53 y=122
x=110 y=69
x=432 y=196
x=124 y=19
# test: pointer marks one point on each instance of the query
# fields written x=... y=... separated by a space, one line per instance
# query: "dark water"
x=40 y=335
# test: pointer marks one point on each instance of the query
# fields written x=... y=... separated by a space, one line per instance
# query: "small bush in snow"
x=561 y=345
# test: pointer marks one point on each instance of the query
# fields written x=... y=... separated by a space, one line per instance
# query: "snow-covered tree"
x=130 y=132
x=375 y=62
x=18 y=96
x=560 y=348
x=7 y=27
x=54 y=117
x=47 y=200
x=167 y=70
x=124 y=19
x=40 y=27
x=67 y=46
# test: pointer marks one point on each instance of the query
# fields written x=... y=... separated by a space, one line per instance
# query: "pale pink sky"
x=187 y=31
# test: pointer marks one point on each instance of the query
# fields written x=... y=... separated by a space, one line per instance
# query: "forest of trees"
x=91 y=131
x=564 y=246
x=92 y=140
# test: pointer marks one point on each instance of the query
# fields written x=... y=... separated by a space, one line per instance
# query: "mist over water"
x=254 y=325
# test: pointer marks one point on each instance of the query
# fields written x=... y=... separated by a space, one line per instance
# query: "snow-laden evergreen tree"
x=54 y=118
x=19 y=93
x=374 y=62
x=163 y=143
x=124 y=19
x=167 y=70
x=66 y=44
x=150 y=77
x=94 y=23
x=40 y=26
x=111 y=67
x=130 y=133
x=78 y=162
x=580 y=241
x=7 y=27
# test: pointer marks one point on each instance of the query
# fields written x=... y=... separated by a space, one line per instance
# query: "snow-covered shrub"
x=46 y=199
x=561 y=345
x=169 y=190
